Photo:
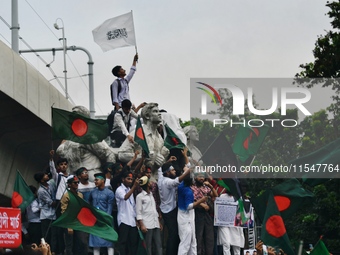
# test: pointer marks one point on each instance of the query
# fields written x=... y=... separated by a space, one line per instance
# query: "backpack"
x=111 y=118
x=119 y=89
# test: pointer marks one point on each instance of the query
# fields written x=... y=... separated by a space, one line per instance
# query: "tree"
x=325 y=69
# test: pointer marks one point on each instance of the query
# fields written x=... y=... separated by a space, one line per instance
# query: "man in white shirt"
x=127 y=231
x=167 y=185
x=121 y=124
x=85 y=186
x=148 y=218
x=120 y=87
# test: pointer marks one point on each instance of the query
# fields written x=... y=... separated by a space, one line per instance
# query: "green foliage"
x=282 y=144
x=326 y=62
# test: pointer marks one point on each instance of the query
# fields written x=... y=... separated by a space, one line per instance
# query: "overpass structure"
x=26 y=98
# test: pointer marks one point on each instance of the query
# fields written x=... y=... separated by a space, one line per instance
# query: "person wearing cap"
x=148 y=218
x=101 y=198
x=120 y=87
x=203 y=221
x=47 y=203
x=85 y=186
x=78 y=242
x=167 y=185
x=126 y=217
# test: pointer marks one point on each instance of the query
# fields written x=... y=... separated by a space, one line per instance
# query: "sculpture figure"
x=195 y=157
x=158 y=152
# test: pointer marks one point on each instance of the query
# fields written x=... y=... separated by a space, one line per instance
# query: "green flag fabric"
x=319 y=249
x=242 y=212
x=140 y=137
x=323 y=164
x=273 y=231
x=82 y=216
x=248 y=141
x=22 y=195
x=220 y=153
x=142 y=249
x=289 y=197
x=171 y=140
x=77 y=128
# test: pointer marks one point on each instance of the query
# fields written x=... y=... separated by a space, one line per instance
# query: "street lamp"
x=64 y=50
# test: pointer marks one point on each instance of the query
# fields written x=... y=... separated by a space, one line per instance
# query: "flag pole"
x=52 y=126
x=133 y=23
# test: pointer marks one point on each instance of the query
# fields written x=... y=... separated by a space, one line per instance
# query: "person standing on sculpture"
x=122 y=123
x=120 y=87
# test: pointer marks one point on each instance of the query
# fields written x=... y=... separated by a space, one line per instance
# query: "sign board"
x=10 y=227
x=225 y=212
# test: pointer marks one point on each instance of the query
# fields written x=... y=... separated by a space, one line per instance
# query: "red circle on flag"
x=86 y=217
x=275 y=226
x=139 y=133
x=282 y=202
x=79 y=127
x=16 y=199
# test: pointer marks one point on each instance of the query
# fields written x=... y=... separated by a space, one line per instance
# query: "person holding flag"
x=78 y=240
x=120 y=87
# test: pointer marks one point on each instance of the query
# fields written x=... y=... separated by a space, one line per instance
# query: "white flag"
x=115 y=33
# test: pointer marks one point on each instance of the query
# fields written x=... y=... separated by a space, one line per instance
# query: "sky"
x=176 y=41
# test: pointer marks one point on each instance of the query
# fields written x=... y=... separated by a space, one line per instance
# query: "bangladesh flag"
x=320 y=249
x=140 y=137
x=289 y=197
x=220 y=153
x=22 y=195
x=82 y=216
x=171 y=140
x=248 y=141
x=329 y=158
x=273 y=229
x=142 y=249
x=77 y=128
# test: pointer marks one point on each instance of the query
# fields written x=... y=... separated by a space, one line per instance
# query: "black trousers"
x=128 y=239
x=204 y=227
x=170 y=221
x=118 y=137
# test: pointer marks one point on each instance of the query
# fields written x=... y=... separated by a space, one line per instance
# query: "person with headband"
x=101 y=198
x=126 y=217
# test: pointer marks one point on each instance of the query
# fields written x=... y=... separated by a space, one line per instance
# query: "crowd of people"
x=142 y=192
